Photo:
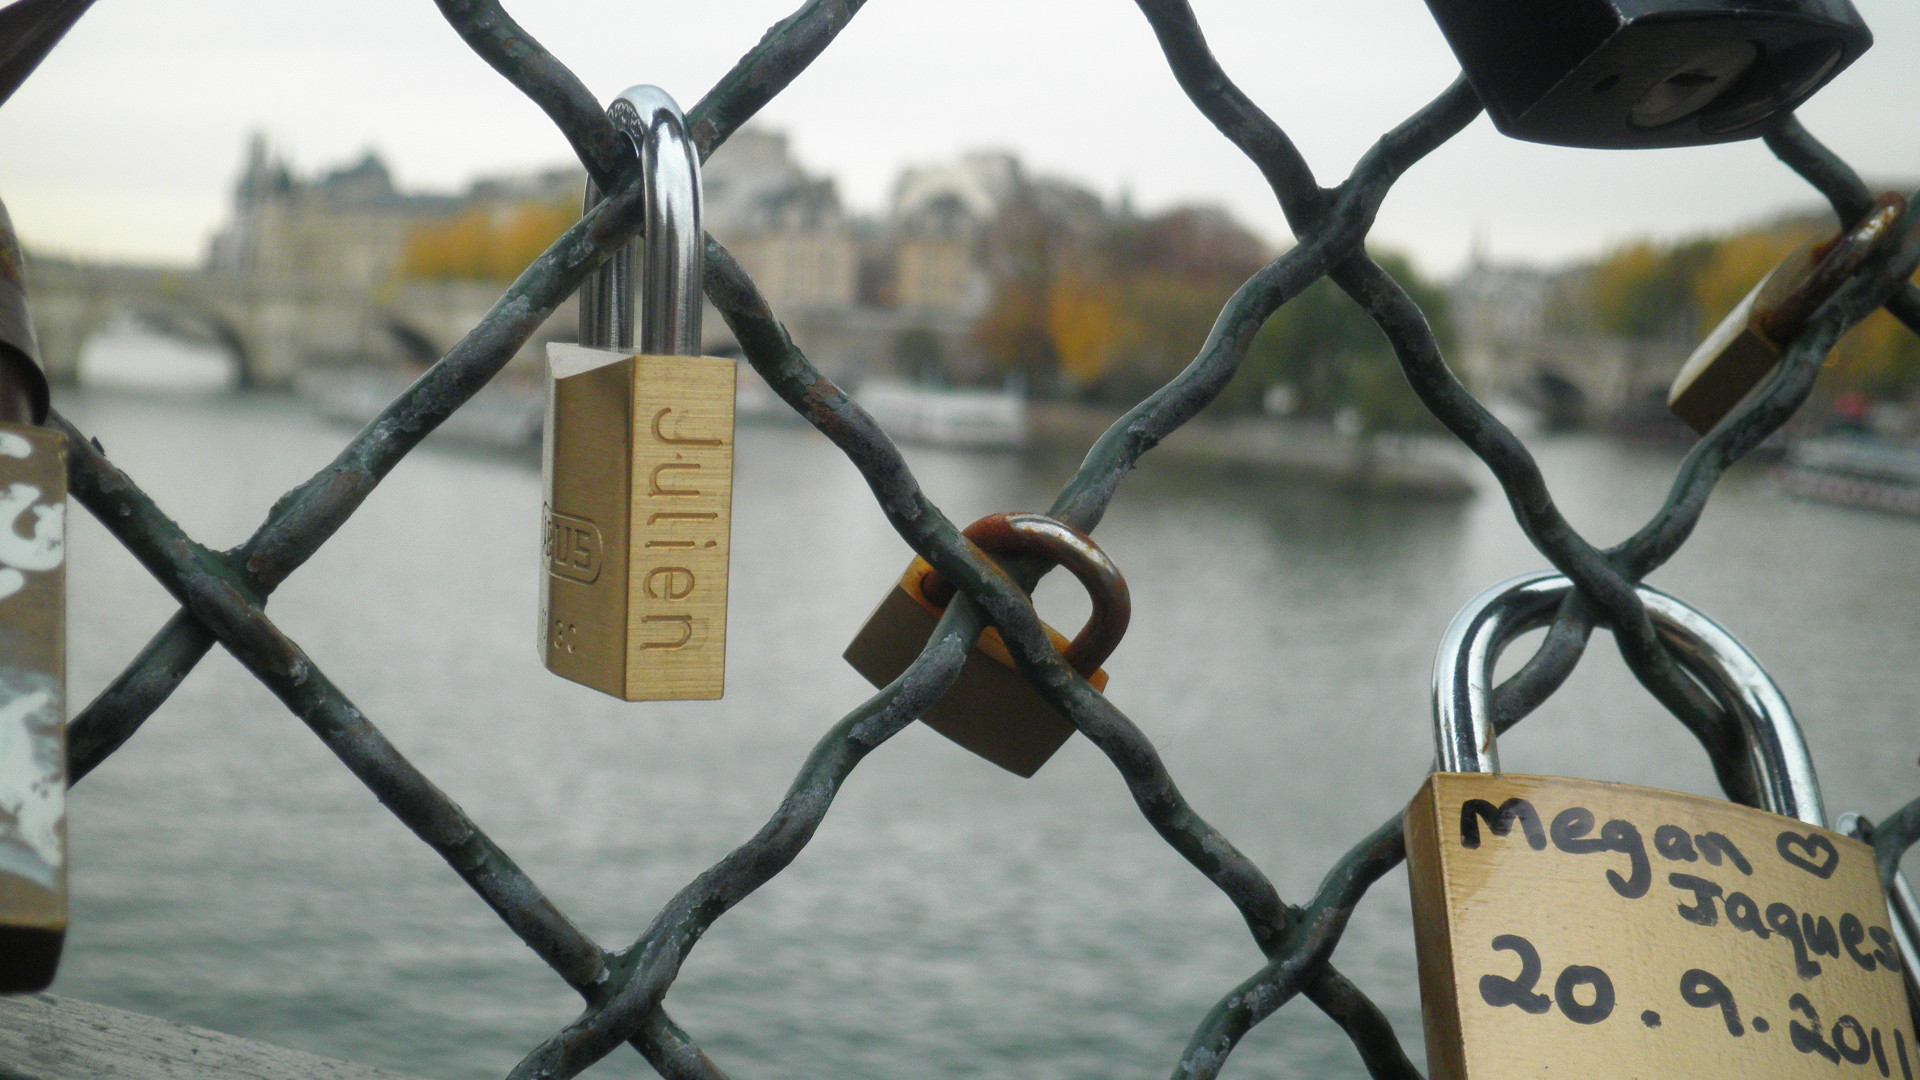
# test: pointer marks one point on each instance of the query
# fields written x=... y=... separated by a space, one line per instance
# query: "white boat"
x=935 y=416
x=1855 y=471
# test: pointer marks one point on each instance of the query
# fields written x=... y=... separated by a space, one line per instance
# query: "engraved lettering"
x=686 y=631
x=574 y=548
x=656 y=487
x=677 y=584
x=677 y=440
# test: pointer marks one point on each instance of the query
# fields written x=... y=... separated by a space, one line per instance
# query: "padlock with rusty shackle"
x=1749 y=342
x=992 y=710
x=33 y=757
x=1579 y=928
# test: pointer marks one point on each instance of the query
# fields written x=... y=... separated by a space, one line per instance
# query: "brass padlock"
x=991 y=710
x=33 y=751
x=1745 y=348
x=1646 y=73
x=1572 y=928
x=638 y=453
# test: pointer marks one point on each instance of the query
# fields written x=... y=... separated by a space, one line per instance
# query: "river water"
x=949 y=920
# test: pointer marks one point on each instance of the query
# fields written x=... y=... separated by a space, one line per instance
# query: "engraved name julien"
x=672 y=532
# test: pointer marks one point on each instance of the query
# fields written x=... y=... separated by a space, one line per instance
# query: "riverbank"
x=507 y=415
x=1406 y=466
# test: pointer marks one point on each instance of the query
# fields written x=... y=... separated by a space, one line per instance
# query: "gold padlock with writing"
x=1747 y=344
x=638 y=453
x=33 y=618
x=1573 y=928
x=991 y=710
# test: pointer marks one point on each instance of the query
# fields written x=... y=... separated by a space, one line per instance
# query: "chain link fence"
x=223 y=594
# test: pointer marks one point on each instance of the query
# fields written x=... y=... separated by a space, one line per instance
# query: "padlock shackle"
x=1038 y=534
x=1463 y=674
x=668 y=286
x=1835 y=261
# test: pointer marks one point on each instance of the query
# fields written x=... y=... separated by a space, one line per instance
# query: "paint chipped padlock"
x=991 y=710
x=1747 y=345
x=638 y=453
x=1572 y=928
x=1646 y=73
x=33 y=752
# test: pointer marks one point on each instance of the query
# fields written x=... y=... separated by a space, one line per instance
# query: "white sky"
x=126 y=141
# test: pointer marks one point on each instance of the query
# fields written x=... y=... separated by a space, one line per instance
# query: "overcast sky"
x=127 y=140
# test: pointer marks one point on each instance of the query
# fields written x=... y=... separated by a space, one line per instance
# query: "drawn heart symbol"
x=1800 y=850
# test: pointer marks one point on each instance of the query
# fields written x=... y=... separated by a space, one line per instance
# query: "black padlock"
x=1622 y=74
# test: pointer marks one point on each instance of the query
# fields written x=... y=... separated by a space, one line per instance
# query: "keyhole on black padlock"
x=1694 y=86
x=1778 y=80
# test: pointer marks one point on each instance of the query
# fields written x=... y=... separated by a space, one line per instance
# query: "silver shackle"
x=1463 y=675
x=672 y=257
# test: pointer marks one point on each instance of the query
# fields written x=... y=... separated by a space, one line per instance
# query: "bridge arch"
x=137 y=339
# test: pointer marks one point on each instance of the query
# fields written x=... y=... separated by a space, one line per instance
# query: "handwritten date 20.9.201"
x=1848 y=1041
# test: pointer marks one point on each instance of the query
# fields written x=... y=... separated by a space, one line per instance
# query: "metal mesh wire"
x=223 y=593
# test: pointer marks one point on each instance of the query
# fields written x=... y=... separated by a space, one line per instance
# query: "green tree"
x=1333 y=356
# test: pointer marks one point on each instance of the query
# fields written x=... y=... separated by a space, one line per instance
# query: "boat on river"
x=1855 y=470
x=943 y=416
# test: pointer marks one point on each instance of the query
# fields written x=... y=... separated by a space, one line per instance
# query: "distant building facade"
x=348 y=226
x=787 y=227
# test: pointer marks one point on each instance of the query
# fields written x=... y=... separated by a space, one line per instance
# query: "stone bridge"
x=271 y=326
x=1574 y=380
x=274 y=327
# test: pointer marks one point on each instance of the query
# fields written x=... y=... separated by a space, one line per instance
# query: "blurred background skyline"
x=125 y=144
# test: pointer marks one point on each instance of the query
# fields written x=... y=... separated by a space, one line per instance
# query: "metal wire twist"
x=223 y=594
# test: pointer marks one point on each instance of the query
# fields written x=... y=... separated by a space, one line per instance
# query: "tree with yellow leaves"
x=485 y=243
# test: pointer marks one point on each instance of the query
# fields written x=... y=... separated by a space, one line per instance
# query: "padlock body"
x=991 y=710
x=1738 y=355
x=1578 y=928
x=638 y=464
x=33 y=751
x=1646 y=73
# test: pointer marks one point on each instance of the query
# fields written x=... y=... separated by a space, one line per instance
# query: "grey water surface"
x=949 y=920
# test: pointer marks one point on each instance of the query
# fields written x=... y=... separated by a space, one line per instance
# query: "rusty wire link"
x=223 y=594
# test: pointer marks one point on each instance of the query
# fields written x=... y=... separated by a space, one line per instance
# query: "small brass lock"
x=33 y=750
x=991 y=710
x=638 y=453
x=1746 y=346
x=1646 y=73
x=1572 y=928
